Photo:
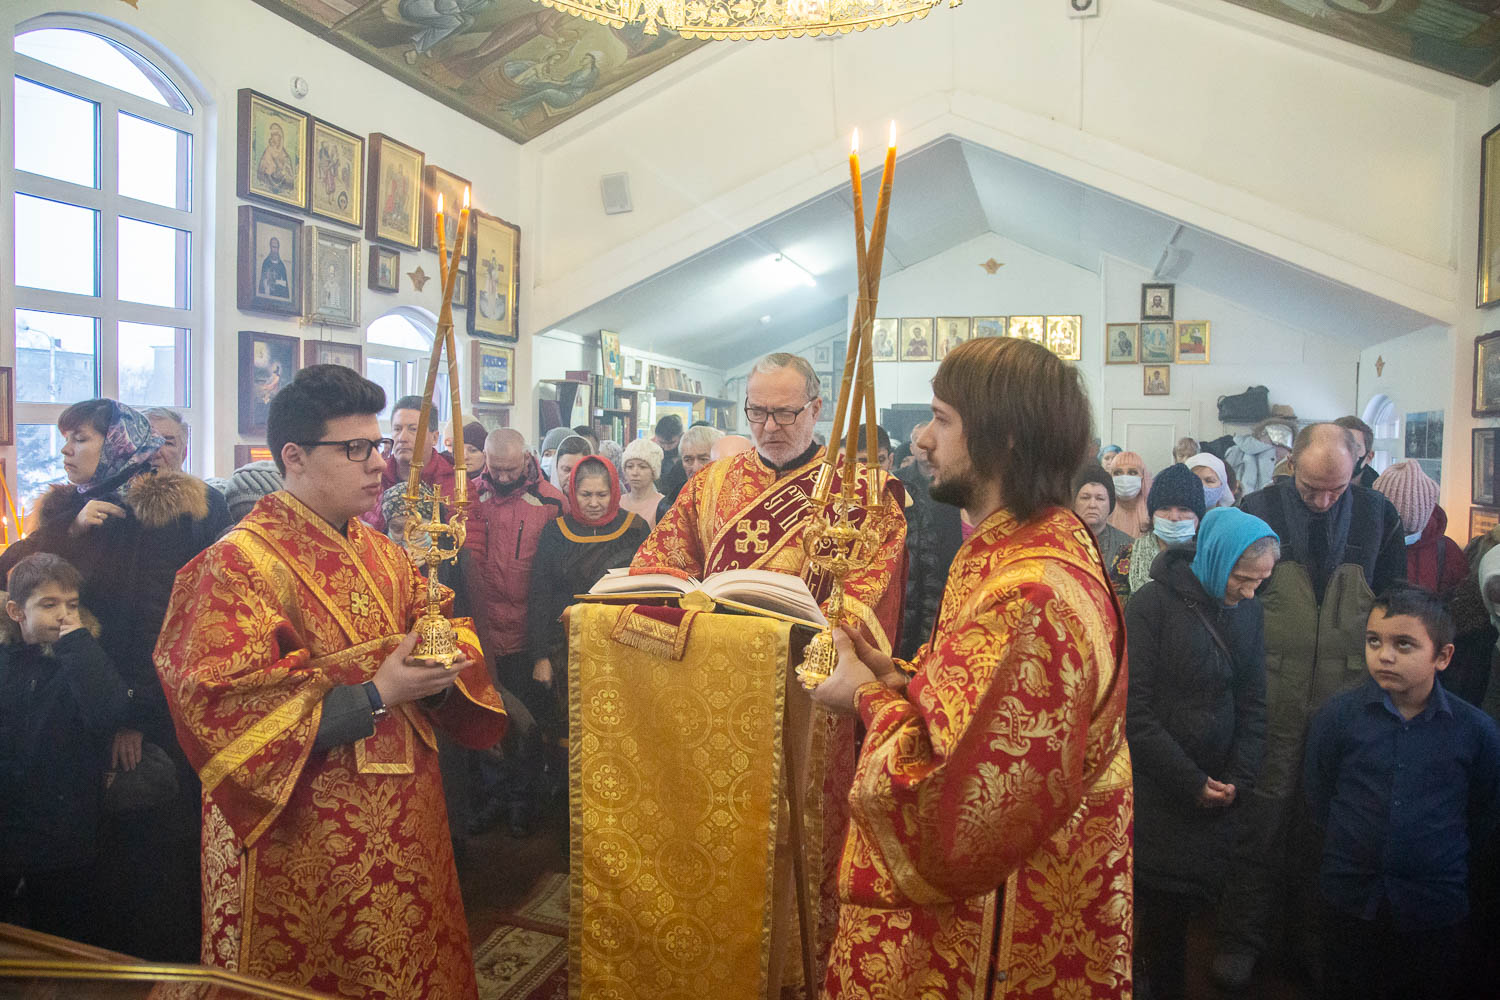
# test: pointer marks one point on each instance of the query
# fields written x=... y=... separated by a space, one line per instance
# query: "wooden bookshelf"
x=722 y=413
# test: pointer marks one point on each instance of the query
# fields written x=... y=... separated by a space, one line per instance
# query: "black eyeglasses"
x=355 y=449
x=784 y=416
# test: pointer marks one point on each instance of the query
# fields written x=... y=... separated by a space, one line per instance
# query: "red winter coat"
x=1435 y=561
x=502 y=534
x=438 y=473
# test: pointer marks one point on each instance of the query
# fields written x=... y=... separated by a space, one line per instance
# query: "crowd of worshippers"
x=1307 y=649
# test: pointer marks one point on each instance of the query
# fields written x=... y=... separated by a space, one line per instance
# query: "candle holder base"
x=818 y=661
x=438 y=642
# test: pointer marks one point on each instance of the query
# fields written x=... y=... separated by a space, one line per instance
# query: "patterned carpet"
x=526 y=958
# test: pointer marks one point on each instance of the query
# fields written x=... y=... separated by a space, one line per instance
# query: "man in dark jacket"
x=1341 y=545
x=514 y=504
x=1196 y=722
x=437 y=470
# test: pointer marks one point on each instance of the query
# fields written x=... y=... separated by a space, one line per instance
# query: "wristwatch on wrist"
x=378 y=710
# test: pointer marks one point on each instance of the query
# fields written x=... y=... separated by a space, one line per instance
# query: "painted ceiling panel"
x=1458 y=37
x=513 y=65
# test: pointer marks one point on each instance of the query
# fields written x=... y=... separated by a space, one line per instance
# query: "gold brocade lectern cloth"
x=675 y=777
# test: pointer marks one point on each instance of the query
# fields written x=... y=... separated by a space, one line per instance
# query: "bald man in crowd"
x=514 y=503
x=1341 y=544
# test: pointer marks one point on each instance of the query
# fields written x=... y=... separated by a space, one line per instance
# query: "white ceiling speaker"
x=615 y=190
x=1082 y=8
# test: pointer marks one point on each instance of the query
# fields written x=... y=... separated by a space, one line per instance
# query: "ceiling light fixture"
x=745 y=19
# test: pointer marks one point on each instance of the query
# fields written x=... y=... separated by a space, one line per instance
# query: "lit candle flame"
x=466 y=190
x=440 y=203
x=854 y=146
x=893 y=133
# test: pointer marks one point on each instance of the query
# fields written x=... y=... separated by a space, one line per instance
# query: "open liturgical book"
x=755 y=591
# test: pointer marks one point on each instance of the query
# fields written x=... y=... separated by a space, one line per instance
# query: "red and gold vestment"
x=739 y=513
x=330 y=869
x=989 y=845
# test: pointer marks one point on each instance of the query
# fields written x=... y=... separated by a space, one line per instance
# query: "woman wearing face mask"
x=1433 y=560
x=1093 y=502
x=1176 y=505
x=1132 y=486
x=1196 y=722
x=1215 y=478
x=550 y=441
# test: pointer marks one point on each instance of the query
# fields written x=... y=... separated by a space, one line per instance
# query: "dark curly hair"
x=319 y=393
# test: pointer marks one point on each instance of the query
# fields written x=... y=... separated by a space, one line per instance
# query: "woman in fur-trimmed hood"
x=128 y=528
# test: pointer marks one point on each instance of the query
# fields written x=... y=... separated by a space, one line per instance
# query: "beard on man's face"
x=956 y=492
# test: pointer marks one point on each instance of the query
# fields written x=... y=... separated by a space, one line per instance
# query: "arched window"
x=109 y=231
x=1381 y=415
x=398 y=346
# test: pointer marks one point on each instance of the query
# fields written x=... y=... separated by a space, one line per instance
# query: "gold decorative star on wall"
x=1379 y=366
x=418 y=277
x=991 y=266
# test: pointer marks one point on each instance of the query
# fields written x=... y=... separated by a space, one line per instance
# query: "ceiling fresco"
x=1458 y=37
x=514 y=65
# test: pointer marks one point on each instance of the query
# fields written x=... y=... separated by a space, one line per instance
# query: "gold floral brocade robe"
x=1002 y=767
x=738 y=513
x=331 y=870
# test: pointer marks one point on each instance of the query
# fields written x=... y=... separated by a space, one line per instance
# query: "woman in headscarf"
x=1196 y=721
x=128 y=528
x=570 y=451
x=641 y=468
x=1210 y=469
x=1107 y=456
x=550 y=441
x=1132 y=485
x=1176 y=506
x=1093 y=502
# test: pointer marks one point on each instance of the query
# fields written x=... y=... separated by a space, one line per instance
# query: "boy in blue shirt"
x=1403 y=777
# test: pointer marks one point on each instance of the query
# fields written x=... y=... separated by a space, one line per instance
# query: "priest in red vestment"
x=286 y=657
x=989 y=846
x=748 y=511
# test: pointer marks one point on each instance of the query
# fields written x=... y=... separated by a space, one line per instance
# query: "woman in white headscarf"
x=1210 y=469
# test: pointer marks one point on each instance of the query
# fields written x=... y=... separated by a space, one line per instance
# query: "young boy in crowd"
x=1404 y=778
x=60 y=703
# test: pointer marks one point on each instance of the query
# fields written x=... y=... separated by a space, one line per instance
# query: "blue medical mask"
x=1174 y=532
x=547 y=464
x=1127 y=487
x=1413 y=538
x=1212 y=495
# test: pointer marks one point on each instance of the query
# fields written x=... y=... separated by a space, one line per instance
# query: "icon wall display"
x=332 y=280
x=436 y=181
x=267 y=363
x=1485 y=490
x=494 y=370
x=385 y=269
x=271 y=155
x=1032 y=328
x=393 y=203
x=1192 y=342
x=329 y=352
x=886 y=334
x=494 y=266
x=1156 y=380
x=1158 y=301
x=1487 y=375
x=1158 y=343
x=270 y=262
x=989 y=326
x=1065 y=337
x=916 y=339
x=335 y=174
x=1122 y=343
x=951 y=331
x=1488 y=285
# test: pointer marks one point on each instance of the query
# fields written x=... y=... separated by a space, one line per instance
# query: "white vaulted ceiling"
x=709 y=308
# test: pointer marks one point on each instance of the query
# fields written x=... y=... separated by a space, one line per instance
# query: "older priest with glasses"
x=748 y=512
x=287 y=661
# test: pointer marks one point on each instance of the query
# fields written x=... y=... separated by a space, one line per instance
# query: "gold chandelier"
x=745 y=19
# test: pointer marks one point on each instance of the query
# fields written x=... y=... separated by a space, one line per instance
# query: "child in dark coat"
x=60 y=704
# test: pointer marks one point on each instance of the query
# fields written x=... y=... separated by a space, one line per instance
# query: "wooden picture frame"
x=1122 y=343
x=461 y=290
x=385 y=269
x=949 y=332
x=916 y=338
x=1487 y=282
x=1191 y=342
x=1487 y=375
x=331 y=284
x=1482 y=520
x=244 y=454
x=267 y=363
x=7 y=407
x=1065 y=337
x=1156 y=380
x=436 y=180
x=988 y=326
x=1158 y=301
x=1485 y=467
x=271 y=152
x=1032 y=328
x=393 y=196
x=494 y=375
x=495 y=266
x=1158 y=343
x=885 y=339
x=268 y=281
x=333 y=352
x=335 y=174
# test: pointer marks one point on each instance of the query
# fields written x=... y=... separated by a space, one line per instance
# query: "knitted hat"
x=474 y=435
x=1411 y=491
x=248 y=484
x=1093 y=472
x=646 y=450
x=1176 y=486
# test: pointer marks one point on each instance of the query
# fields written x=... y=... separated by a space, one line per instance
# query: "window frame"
x=192 y=348
x=411 y=364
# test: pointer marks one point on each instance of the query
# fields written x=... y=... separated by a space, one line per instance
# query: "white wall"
x=229 y=45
